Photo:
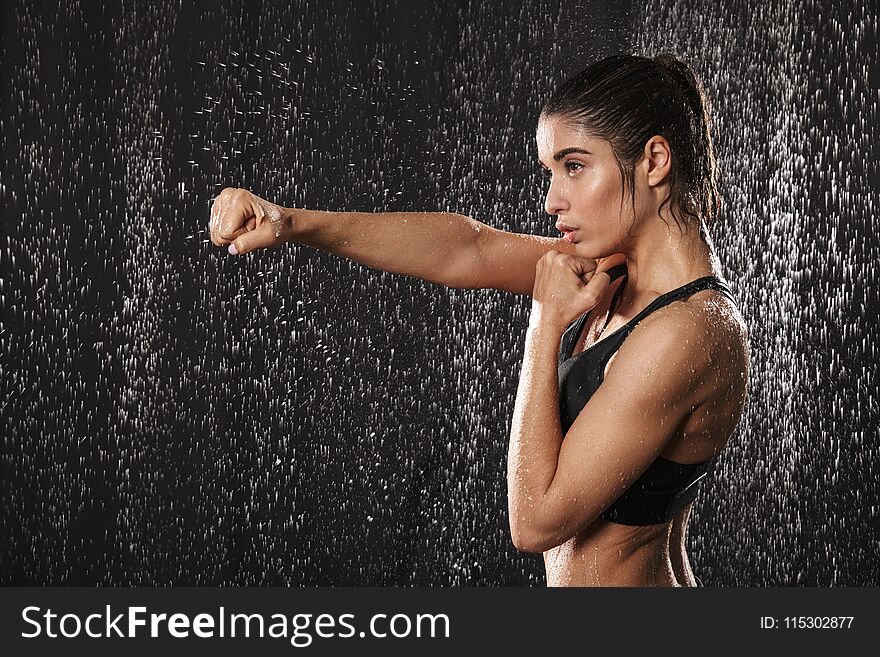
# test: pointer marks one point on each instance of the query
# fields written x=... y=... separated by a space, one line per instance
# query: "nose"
x=556 y=202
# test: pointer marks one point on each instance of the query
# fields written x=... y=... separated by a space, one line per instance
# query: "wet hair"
x=626 y=100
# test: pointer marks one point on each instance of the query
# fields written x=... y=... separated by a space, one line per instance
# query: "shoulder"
x=685 y=342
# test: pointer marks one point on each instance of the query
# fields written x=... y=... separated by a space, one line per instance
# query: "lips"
x=567 y=232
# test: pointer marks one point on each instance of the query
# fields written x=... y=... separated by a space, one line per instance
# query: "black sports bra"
x=666 y=486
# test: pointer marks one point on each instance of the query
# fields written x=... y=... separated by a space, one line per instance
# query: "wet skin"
x=609 y=554
x=585 y=197
x=685 y=414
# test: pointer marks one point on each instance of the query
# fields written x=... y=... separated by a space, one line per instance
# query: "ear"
x=657 y=158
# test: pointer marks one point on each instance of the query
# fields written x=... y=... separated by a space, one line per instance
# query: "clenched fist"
x=566 y=286
x=247 y=222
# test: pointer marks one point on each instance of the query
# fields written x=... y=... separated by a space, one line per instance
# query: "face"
x=585 y=188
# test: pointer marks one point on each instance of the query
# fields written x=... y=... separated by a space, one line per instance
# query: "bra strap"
x=704 y=283
x=575 y=328
x=613 y=305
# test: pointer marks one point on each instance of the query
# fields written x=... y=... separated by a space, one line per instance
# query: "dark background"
x=172 y=415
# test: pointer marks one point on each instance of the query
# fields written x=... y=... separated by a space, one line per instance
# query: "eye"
x=571 y=166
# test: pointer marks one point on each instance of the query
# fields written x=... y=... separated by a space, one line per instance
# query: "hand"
x=246 y=222
x=566 y=286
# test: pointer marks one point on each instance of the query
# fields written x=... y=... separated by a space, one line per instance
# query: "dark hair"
x=626 y=100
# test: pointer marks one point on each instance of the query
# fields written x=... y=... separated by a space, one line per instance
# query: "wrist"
x=543 y=322
x=301 y=225
x=541 y=326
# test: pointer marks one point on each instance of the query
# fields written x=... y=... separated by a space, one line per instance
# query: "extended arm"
x=446 y=248
x=440 y=247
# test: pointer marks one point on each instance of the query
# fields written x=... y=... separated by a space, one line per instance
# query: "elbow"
x=464 y=269
x=527 y=536
x=541 y=529
x=529 y=544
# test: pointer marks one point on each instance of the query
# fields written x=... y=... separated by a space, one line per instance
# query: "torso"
x=610 y=554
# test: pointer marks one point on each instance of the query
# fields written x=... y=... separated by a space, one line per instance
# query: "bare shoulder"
x=686 y=367
x=710 y=314
x=717 y=319
x=703 y=338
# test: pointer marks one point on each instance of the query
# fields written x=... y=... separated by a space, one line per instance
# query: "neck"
x=664 y=258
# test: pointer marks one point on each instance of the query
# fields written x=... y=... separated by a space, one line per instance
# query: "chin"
x=586 y=249
x=596 y=249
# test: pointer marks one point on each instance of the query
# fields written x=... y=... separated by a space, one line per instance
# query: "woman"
x=636 y=361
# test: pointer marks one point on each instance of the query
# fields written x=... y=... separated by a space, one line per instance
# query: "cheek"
x=601 y=189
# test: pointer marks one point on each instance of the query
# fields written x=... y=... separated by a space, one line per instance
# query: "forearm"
x=536 y=434
x=440 y=247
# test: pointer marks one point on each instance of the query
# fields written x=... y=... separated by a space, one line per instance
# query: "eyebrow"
x=568 y=151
